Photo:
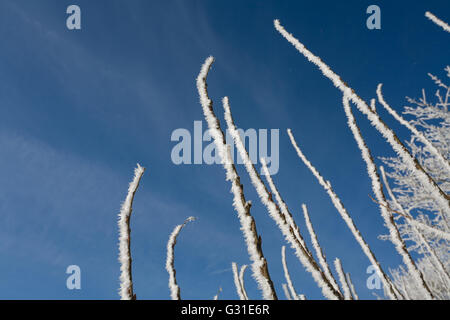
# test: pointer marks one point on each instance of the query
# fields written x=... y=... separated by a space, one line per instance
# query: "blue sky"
x=78 y=110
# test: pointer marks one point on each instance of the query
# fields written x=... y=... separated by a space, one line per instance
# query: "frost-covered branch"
x=441 y=197
x=241 y=279
x=392 y=293
x=170 y=266
x=432 y=149
x=286 y=291
x=342 y=279
x=216 y=297
x=237 y=282
x=242 y=207
x=437 y=21
x=126 y=280
x=394 y=234
x=352 y=288
x=285 y=224
x=431 y=231
x=294 y=294
x=282 y=208
x=431 y=251
x=373 y=105
x=319 y=253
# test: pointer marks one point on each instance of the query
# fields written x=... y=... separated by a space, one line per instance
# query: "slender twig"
x=281 y=210
x=287 y=275
x=241 y=279
x=284 y=223
x=126 y=280
x=352 y=288
x=319 y=252
x=216 y=297
x=411 y=221
x=431 y=148
x=242 y=207
x=170 y=266
x=347 y=218
x=377 y=189
x=344 y=284
x=237 y=282
x=414 y=222
x=286 y=291
x=437 y=21
x=441 y=197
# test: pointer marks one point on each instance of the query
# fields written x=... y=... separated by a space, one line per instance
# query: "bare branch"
x=437 y=21
x=242 y=207
x=237 y=282
x=342 y=279
x=441 y=197
x=170 y=266
x=286 y=291
x=216 y=297
x=319 y=253
x=275 y=213
x=241 y=279
x=352 y=288
x=432 y=149
x=126 y=280
x=287 y=275
x=377 y=189
x=346 y=217
x=414 y=225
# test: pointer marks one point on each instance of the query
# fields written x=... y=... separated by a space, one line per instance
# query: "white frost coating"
x=237 y=281
x=126 y=282
x=352 y=288
x=373 y=105
x=437 y=21
x=170 y=267
x=421 y=237
x=282 y=205
x=241 y=279
x=286 y=291
x=431 y=148
x=394 y=234
x=342 y=279
x=216 y=297
x=346 y=217
x=302 y=297
x=242 y=207
x=430 y=230
x=322 y=260
x=374 y=119
x=287 y=275
x=274 y=211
